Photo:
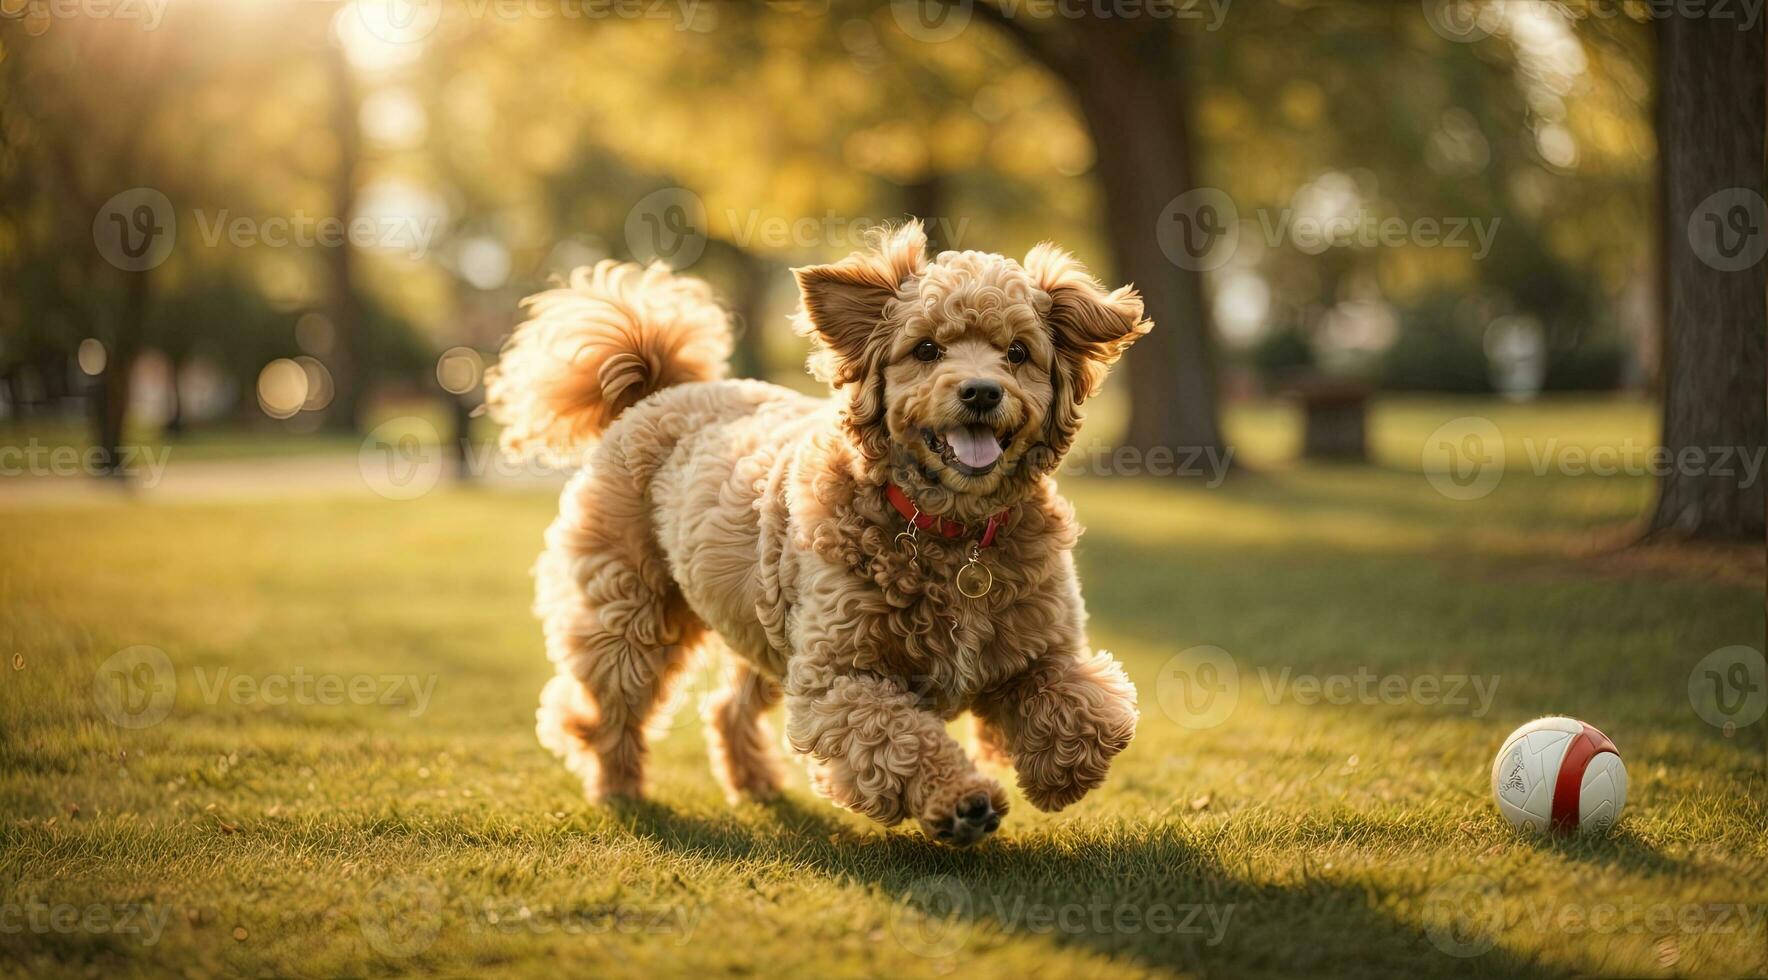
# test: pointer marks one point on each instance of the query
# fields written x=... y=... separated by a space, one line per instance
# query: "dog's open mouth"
x=973 y=450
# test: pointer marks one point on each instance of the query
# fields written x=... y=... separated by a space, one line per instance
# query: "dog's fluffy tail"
x=591 y=349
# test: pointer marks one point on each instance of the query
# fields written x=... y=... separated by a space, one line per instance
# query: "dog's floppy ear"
x=1089 y=327
x=843 y=302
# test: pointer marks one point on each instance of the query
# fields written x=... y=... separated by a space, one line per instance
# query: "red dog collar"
x=939 y=525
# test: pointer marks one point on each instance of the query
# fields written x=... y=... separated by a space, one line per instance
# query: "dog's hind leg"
x=616 y=628
x=743 y=755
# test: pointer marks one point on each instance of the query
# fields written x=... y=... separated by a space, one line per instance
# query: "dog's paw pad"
x=973 y=819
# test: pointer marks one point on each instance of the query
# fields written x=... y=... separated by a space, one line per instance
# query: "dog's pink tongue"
x=974 y=445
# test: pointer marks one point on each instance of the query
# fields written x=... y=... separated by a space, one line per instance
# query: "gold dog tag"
x=975 y=580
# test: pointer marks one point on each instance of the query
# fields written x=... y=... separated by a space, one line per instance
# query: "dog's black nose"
x=979 y=394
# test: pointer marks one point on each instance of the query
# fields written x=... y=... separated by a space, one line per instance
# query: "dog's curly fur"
x=743 y=514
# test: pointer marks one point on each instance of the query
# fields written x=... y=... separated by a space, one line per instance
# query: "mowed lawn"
x=345 y=778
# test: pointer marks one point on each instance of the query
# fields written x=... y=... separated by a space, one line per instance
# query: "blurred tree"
x=1129 y=78
x=534 y=143
x=1457 y=140
x=343 y=301
x=171 y=128
x=79 y=138
x=895 y=128
x=1712 y=128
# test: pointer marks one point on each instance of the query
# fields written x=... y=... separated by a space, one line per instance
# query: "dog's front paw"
x=966 y=812
x=1071 y=729
x=1074 y=761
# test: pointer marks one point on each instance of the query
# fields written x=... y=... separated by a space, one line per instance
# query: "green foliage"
x=1591 y=365
x=1281 y=354
x=1439 y=348
x=536 y=131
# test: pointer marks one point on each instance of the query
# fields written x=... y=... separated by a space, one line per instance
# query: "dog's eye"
x=1017 y=352
x=927 y=350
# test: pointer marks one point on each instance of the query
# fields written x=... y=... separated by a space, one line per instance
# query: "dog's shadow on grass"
x=1138 y=892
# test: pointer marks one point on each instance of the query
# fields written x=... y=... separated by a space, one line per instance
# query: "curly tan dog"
x=881 y=561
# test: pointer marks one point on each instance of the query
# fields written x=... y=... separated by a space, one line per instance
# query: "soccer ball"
x=1559 y=774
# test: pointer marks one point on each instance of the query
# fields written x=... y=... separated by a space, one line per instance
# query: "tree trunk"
x=925 y=199
x=175 y=418
x=460 y=411
x=1133 y=98
x=114 y=384
x=346 y=306
x=1711 y=142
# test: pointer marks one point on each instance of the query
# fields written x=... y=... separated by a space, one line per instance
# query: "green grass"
x=268 y=836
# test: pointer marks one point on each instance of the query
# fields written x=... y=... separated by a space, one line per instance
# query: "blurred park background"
x=258 y=226
x=1458 y=374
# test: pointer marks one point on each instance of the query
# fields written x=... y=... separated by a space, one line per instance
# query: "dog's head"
x=964 y=374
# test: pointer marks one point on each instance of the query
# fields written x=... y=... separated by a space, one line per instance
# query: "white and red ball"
x=1559 y=774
